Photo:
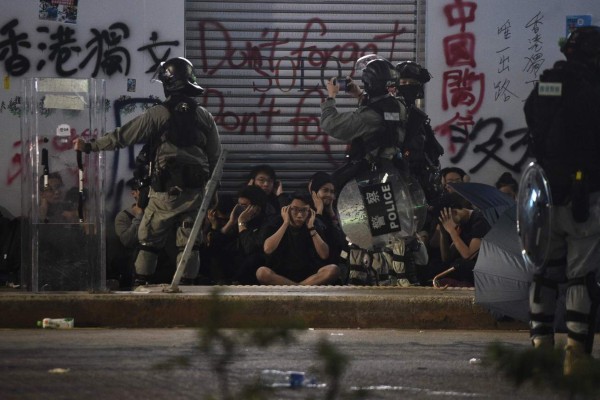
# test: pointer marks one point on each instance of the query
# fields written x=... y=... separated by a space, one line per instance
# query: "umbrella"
x=489 y=200
x=502 y=277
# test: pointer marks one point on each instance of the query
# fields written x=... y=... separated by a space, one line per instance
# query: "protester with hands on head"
x=246 y=224
x=218 y=250
x=296 y=221
x=241 y=213
x=461 y=231
x=264 y=177
x=450 y=220
x=296 y=252
x=323 y=195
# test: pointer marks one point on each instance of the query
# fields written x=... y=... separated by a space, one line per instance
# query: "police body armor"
x=182 y=130
x=380 y=200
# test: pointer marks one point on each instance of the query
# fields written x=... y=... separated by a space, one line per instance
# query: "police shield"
x=380 y=205
x=534 y=215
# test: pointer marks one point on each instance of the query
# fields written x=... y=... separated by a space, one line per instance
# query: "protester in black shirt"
x=295 y=249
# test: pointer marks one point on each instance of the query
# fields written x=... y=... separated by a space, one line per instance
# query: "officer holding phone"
x=375 y=129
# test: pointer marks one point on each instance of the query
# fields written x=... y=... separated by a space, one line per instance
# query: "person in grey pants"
x=184 y=149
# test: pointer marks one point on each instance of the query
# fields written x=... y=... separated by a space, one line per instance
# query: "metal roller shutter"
x=264 y=64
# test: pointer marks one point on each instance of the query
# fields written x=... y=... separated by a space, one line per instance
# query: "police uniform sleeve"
x=139 y=129
x=348 y=125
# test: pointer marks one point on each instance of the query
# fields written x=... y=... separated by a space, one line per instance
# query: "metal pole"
x=211 y=187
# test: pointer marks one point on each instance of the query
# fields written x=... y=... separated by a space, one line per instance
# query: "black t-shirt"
x=296 y=257
x=333 y=236
x=475 y=228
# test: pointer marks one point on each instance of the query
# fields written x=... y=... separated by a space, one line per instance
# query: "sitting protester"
x=264 y=177
x=251 y=225
x=461 y=232
x=217 y=264
x=323 y=195
x=296 y=253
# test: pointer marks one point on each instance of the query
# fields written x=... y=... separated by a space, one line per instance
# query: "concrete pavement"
x=317 y=307
x=385 y=364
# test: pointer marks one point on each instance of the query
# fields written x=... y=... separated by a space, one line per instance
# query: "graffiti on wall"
x=274 y=55
x=470 y=136
x=104 y=50
x=107 y=51
x=463 y=87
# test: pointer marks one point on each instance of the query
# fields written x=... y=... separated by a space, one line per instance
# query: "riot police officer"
x=421 y=150
x=564 y=125
x=375 y=129
x=184 y=149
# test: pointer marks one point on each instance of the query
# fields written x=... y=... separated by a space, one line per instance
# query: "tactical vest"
x=183 y=129
x=390 y=134
x=421 y=151
x=564 y=128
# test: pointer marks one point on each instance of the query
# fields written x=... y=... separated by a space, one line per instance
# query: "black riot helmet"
x=177 y=77
x=411 y=78
x=362 y=62
x=377 y=76
x=583 y=45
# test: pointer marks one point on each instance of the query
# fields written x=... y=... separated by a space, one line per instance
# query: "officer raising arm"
x=374 y=129
x=184 y=149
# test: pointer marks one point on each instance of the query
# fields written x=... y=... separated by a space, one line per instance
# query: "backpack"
x=183 y=129
x=564 y=134
x=10 y=248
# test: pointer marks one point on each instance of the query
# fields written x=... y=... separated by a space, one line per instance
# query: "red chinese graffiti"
x=463 y=89
x=58 y=145
x=16 y=167
x=460 y=13
x=459 y=50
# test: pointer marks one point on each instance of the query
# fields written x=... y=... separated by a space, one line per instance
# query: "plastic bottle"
x=57 y=323
x=286 y=379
